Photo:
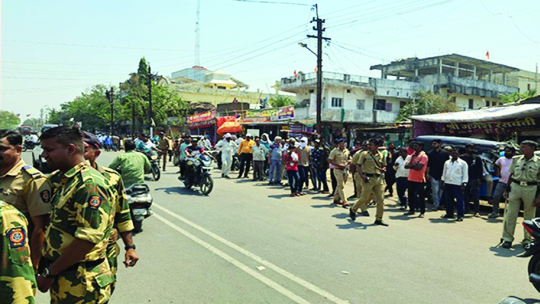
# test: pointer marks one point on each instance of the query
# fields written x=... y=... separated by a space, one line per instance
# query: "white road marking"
x=255 y=257
x=289 y=294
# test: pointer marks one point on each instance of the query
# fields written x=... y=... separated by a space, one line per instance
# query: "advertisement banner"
x=201 y=117
x=261 y=113
x=285 y=112
x=489 y=127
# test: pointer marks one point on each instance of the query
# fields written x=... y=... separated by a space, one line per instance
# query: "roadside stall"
x=516 y=122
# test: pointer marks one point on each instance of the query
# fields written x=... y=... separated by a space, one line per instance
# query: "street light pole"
x=150 y=102
x=110 y=96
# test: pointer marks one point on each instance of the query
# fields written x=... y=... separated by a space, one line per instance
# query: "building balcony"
x=348 y=116
x=466 y=86
x=291 y=84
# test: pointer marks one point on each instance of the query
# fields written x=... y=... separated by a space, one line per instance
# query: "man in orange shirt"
x=246 y=155
x=417 y=179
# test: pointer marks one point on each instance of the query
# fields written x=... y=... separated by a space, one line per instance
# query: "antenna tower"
x=198 y=35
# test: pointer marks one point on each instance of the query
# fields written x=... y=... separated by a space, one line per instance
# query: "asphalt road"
x=251 y=243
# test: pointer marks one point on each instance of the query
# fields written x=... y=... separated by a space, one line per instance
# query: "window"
x=311 y=91
x=337 y=102
x=494 y=103
x=379 y=104
x=221 y=88
x=348 y=91
x=360 y=104
x=471 y=103
x=487 y=103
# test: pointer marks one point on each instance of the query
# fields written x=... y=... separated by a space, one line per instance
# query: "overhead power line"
x=269 y=2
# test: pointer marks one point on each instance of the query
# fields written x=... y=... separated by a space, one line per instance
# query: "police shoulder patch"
x=32 y=171
x=45 y=196
x=95 y=201
x=16 y=237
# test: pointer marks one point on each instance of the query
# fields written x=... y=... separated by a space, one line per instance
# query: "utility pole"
x=110 y=95
x=150 y=101
x=319 y=28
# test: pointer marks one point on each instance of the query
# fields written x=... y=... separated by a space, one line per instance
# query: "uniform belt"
x=521 y=183
x=371 y=175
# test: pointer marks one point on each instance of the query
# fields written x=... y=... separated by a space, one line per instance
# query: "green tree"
x=516 y=96
x=32 y=122
x=426 y=103
x=8 y=120
x=281 y=101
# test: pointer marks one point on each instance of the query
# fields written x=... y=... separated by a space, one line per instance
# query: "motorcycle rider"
x=132 y=165
x=194 y=150
x=146 y=146
x=228 y=147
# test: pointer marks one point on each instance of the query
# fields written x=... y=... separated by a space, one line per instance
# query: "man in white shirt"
x=401 y=177
x=455 y=177
x=501 y=170
x=227 y=147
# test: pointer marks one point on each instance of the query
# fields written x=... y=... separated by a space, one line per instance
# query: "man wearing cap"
x=122 y=218
x=164 y=148
x=339 y=158
x=259 y=152
x=246 y=156
x=370 y=167
x=24 y=187
x=227 y=146
x=523 y=184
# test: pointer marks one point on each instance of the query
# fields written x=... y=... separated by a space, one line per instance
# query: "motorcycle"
x=140 y=201
x=28 y=145
x=153 y=157
x=198 y=173
x=533 y=249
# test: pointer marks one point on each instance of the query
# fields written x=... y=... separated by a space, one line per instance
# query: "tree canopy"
x=32 y=122
x=281 y=101
x=8 y=120
x=509 y=98
x=426 y=103
x=93 y=110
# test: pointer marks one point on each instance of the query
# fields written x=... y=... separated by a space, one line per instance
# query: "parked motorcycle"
x=140 y=201
x=198 y=170
x=533 y=251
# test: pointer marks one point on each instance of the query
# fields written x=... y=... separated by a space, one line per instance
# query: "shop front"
x=203 y=123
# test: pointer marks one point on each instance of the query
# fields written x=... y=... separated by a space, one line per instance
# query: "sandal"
x=293 y=194
x=297 y=194
x=345 y=205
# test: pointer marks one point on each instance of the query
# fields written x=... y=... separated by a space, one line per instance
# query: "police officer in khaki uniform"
x=24 y=187
x=358 y=180
x=371 y=165
x=524 y=179
x=339 y=157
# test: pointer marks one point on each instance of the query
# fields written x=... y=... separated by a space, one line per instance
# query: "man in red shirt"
x=417 y=179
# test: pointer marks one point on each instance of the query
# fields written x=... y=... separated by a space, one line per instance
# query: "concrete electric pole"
x=319 y=28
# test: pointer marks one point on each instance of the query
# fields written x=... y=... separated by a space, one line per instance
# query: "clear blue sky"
x=51 y=51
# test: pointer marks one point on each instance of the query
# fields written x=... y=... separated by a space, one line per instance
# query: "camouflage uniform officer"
x=17 y=278
x=122 y=218
x=24 y=187
x=75 y=263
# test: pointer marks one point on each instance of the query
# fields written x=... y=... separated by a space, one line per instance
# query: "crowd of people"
x=60 y=231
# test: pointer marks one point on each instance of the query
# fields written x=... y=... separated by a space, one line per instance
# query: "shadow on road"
x=443 y=221
x=179 y=190
x=280 y=196
x=323 y=198
x=492 y=220
x=325 y=205
x=507 y=253
x=352 y=225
